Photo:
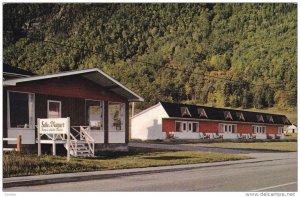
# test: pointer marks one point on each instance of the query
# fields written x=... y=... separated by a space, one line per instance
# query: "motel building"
x=95 y=103
x=170 y=120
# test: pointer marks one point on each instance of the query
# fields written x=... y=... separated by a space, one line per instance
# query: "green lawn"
x=291 y=136
x=24 y=165
x=275 y=146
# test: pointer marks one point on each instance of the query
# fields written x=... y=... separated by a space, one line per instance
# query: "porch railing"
x=81 y=133
x=18 y=141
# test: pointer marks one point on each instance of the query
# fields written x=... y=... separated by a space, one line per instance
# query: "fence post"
x=19 y=143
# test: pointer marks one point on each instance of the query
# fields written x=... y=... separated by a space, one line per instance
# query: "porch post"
x=68 y=139
x=126 y=122
x=106 y=122
x=53 y=148
x=19 y=143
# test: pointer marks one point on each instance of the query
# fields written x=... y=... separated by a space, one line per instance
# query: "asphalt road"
x=277 y=175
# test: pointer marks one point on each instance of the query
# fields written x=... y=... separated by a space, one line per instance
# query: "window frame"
x=178 y=122
x=101 y=111
x=280 y=130
x=122 y=117
x=228 y=128
x=184 y=126
x=197 y=127
x=54 y=101
x=189 y=126
x=259 y=129
x=31 y=110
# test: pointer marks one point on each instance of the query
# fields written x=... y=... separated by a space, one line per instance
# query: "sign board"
x=53 y=126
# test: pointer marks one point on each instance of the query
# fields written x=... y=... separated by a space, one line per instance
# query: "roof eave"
x=139 y=99
x=13 y=82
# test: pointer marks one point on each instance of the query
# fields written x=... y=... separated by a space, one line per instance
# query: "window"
x=280 y=130
x=178 y=126
x=227 y=115
x=202 y=113
x=195 y=127
x=116 y=116
x=181 y=126
x=240 y=116
x=227 y=128
x=54 y=109
x=94 y=114
x=270 y=118
x=185 y=112
x=260 y=118
x=21 y=110
x=285 y=120
x=259 y=129
x=190 y=126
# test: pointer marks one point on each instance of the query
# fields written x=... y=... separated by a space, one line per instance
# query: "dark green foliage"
x=251 y=45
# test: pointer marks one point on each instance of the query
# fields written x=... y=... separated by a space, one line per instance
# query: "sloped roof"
x=173 y=110
x=14 y=71
x=95 y=75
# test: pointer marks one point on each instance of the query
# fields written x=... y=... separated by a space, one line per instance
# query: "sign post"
x=68 y=138
x=53 y=127
x=39 y=138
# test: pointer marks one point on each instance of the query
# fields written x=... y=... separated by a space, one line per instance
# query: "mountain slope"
x=238 y=55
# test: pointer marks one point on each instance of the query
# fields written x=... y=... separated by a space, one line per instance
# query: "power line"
x=168 y=67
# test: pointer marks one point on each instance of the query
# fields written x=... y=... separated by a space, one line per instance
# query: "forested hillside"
x=237 y=55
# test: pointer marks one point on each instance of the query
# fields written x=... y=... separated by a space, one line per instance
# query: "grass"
x=291 y=136
x=15 y=164
x=273 y=146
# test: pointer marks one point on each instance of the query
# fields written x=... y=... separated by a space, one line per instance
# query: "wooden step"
x=84 y=155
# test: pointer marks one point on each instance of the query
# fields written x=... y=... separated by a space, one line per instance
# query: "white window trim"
x=227 y=126
x=260 y=118
x=186 y=109
x=53 y=101
x=179 y=126
x=102 y=103
x=256 y=127
x=228 y=115
x=197 y=127
x=33 y=111
x=280 y=130
x=186 y=126
x=242 y=117
x=202 y=112
x=187 y=123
